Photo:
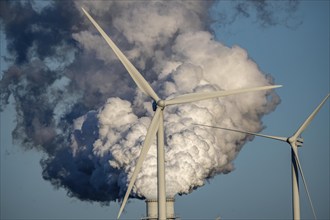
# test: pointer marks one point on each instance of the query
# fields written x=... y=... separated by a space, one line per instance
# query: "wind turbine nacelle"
x=159 y=103
x=154 y=105
x=300 y=142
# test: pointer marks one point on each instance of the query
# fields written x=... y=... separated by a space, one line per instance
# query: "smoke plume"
x=75 y=101
x=264 y=13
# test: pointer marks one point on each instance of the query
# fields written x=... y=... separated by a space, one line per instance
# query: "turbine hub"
x=161 y=103
x=297 y=141
x=291 y=140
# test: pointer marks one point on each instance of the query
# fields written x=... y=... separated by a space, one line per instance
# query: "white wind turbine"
x=295 y=141
x=157 y=122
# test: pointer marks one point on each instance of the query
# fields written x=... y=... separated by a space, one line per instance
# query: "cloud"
x=76 y=102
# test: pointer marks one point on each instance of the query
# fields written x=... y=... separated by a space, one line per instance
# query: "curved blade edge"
x=193 y=97
x=152 y=130
x=247 y=132
x=310 y=118
x=134 y=73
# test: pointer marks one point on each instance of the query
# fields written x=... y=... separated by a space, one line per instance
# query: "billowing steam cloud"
x=75 y=101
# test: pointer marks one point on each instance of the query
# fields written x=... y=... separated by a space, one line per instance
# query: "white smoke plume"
x=76 y=102
x=184 y=58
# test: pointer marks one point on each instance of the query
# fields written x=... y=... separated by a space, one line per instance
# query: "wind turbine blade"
x=310 y=118
x=193 y=97
x=304 y=181
x=153 y=127
x=247 y=132
x=136 y=76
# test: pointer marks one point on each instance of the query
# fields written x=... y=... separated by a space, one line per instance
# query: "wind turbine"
x=294 y=141
x=157 y=122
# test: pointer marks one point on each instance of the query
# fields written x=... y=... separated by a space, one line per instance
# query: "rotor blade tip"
x=119 y=213
x=85 y=12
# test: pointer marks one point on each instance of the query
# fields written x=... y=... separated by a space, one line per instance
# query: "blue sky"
x=260 y=187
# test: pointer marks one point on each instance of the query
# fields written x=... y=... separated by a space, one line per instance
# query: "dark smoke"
x=265 y=13
x=52 y=83
x=57 y=82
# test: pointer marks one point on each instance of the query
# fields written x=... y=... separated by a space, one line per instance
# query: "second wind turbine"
x=294 y=141
x=157 y=122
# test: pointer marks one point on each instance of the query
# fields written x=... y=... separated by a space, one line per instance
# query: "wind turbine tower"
x=152 y=209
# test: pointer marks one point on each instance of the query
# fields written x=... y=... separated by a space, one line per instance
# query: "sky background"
x=260 y=187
